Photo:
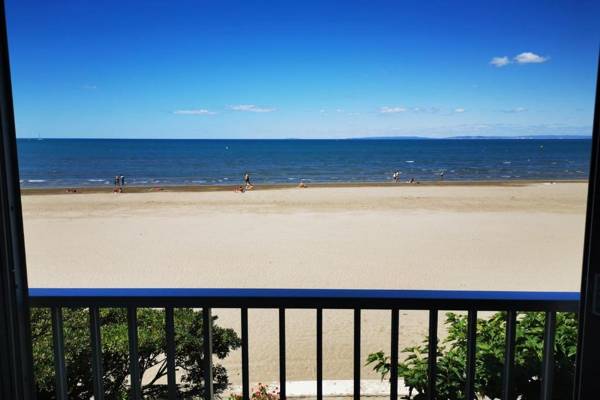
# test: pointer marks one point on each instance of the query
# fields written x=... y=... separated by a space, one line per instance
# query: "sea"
x=59 y=163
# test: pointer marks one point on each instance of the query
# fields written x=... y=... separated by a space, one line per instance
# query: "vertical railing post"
x=134 y=361
x=207 y=350
x=357 y=363
x=282 y=374
x=509 y=355
x=394 y=355
x=96 y=343
x=170 y=336
x=60 y=368
x=432 y=355
x=245 y=372
x=548 y=363
x=471 y=353
x=319 y=354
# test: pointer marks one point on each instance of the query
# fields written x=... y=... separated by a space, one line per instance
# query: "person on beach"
x=117 y=188
x=247 y=181
x=396 y=176
x=122 y=179
x=239 y=189
x=442 y=175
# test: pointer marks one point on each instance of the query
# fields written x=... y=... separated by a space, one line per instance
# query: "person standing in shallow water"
x=122 y=179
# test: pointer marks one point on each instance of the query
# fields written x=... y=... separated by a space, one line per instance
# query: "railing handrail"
x=308 y=298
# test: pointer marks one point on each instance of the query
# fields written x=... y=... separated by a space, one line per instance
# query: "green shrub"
x=115 y=352
x=261 y=392
x=452 y=356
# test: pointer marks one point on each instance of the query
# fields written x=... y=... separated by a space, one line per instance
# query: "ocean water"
x=95 y=162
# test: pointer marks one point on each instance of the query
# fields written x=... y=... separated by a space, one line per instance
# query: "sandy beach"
x=451 y=236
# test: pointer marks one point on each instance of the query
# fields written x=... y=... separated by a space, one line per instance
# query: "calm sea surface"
x=95 y=162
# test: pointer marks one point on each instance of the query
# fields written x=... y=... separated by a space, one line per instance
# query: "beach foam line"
x=332 y=388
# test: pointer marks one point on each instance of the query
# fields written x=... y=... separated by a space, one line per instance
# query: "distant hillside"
x=522 y=137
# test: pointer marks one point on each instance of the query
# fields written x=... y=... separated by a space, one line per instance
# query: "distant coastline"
x=479 y=137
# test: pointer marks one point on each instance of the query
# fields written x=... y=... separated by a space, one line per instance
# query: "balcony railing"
x=317 y=299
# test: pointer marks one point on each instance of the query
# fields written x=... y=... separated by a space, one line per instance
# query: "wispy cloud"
x=250 y=108
x=500 y=61
x=200 y=111
x=391 y=110
x=89 y=87
x=514 y=110
x=529 y=58
x=526 y=57
x=459 y=110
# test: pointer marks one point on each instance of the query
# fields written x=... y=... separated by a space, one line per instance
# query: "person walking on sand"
x=247 y=181
x=396 y=176
x=117 y=188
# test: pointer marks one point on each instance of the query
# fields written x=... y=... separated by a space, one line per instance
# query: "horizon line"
x=408 y=137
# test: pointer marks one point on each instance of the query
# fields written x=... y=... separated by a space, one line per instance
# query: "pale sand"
x=500 y=237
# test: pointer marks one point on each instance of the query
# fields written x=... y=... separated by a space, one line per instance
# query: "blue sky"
x=323 y=69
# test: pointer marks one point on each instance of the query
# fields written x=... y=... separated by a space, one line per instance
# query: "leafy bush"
x=452 y=356
x=260 y=393
x=115 y=352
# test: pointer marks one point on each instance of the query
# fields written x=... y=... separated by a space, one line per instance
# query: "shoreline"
x=280 y=186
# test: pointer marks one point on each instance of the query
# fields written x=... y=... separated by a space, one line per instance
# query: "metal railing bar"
x=357 y=363
x=471 y=353
x=308 y=298
x=394 y=355
x=282 y=377
x=509 y=356
x=319 y=354
x=245 y=372
x=207 y=350
x=134 y=364
x=432 y=355
x=170 y=336
x=96 y=343
x=60 y=368
x=548 y=361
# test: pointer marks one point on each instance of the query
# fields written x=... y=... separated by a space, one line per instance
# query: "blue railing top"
x=302 y=293
x=307 y=298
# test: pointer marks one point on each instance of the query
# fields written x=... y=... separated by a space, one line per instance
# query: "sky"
x=302 y=69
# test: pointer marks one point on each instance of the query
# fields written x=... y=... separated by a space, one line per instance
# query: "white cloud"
x=200 y=111
x=459 y=110
x=529 y=58
x=500 y=61
x=89 y=87
x=391 y=110
x=515 y=110
x=250 y=108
